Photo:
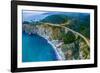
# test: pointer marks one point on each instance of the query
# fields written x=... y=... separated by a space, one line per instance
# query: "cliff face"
x=42 y=30
x=29 y=29
x=46 y=30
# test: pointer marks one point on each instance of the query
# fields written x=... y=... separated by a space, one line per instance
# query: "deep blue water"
x=36 y=48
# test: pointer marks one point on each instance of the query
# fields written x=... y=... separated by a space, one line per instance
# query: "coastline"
x=59 y=54
x=45 y=32
x=57 y=51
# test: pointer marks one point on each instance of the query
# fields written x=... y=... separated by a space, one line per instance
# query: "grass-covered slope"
x=55 y=19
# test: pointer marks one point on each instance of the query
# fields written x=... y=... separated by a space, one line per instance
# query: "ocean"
x=36 y=49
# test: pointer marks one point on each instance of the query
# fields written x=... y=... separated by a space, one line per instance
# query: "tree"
x=68 y=38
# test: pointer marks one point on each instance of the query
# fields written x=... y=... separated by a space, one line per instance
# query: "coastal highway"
x=77 y=33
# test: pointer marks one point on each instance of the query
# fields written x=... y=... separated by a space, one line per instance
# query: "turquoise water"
x=36 y=48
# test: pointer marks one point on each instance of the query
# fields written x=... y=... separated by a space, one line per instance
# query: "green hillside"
x=56 y=19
